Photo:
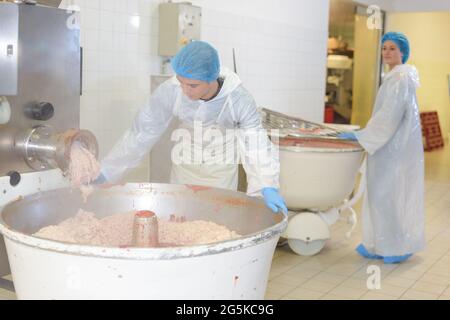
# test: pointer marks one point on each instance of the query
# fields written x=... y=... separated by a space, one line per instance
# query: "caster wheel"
x=304 y=248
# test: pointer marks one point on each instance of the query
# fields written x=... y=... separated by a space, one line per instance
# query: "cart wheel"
x=304 y=248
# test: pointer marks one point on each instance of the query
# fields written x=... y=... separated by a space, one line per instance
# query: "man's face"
x=194 y=89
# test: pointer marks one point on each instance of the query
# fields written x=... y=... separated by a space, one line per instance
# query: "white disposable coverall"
x=393 y=209
x=232 y=108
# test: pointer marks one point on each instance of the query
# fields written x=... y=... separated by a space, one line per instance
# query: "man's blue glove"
x=101 y=179
x=347 y=136
x=274 y=200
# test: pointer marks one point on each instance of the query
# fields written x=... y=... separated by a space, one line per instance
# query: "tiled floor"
x=337 y=272
x=6 y=294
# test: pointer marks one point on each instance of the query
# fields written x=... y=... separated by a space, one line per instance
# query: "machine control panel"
x=179 y=24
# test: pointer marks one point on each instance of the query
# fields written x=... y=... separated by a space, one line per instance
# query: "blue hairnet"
x=198 y=60
x=400 y=40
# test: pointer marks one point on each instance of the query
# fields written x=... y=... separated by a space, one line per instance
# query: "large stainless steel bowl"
x=234 y=269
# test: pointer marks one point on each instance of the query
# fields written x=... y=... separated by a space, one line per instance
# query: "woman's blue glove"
x=101 y=179
x=274 y=200
x=347 y=136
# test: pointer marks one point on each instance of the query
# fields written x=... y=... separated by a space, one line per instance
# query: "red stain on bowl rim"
x=110 y=185
x=317 y=143
x=236 y=201
x=220 y=202
x=197 y=188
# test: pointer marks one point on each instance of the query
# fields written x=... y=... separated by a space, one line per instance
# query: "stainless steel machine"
x=40 y=88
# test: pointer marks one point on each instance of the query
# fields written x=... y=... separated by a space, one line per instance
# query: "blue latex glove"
x=347 y=136
x=100 y=179
x=274 y=200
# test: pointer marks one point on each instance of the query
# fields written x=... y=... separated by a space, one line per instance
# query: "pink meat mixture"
x=116 y=231
x=83 y=166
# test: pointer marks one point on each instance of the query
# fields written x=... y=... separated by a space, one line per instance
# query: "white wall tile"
x=107 y=19
x=106 y=42
x=133 y=6
x=90 y=39
x=133 y=24
x=132 y=43
x=154 y=27
x=121 y=6
x=145 y=26
x=120 y=22
x=145 y=8
x=90 y=81
x=90 y=18
x=108 y=5
x=91 y=60
x=92 y=4
x=106 y=61
x=89 y=101
x=119 y=42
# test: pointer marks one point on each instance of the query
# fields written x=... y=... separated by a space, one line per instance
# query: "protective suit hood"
x=404 y=70
x=230 y=84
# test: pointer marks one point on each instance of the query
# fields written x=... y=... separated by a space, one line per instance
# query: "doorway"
x=353 y=62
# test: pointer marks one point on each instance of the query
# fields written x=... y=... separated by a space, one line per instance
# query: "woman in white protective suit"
x=210 y=103
x=393 y=209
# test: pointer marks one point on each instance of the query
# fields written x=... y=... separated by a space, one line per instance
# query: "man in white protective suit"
x=212 y=100
x=393 y=210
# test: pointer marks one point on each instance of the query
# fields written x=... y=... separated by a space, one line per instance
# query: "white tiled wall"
x=280 y=49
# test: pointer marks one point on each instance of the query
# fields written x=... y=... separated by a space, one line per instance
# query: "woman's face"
x=391 y=54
